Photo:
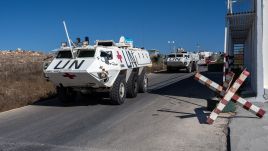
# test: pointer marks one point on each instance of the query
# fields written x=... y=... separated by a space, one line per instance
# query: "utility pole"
x=172 y=44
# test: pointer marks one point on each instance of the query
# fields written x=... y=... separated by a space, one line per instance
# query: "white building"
x=246 y=39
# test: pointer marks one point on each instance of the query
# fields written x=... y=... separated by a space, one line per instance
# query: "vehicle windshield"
x=64 y=54
x=173 y=55
x=86 y=53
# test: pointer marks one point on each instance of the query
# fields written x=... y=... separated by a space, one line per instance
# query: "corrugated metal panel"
x=240 y=24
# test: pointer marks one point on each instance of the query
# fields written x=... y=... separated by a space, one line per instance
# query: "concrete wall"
x=265 y=43
x=259 y=57
x=253 y=62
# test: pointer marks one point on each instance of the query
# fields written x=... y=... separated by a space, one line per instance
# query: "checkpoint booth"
x=245 y=57
x=245 y=47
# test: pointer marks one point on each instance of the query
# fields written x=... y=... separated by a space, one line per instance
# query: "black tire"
x=169 y=69
x=132 y=85
x=189 y=68
x=66 y=95
x=118 y=91
x=196 y=67
x=178 y=70
x=142 y=82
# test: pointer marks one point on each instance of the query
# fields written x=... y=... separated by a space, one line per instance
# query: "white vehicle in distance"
x=182 y=60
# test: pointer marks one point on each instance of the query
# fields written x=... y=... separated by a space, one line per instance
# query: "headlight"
x=103 y=75
x=45 y=65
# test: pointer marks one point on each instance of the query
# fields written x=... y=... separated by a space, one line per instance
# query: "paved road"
x=164 y=119
x=248 y=132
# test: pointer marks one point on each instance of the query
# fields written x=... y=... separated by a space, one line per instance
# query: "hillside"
x=21 y=79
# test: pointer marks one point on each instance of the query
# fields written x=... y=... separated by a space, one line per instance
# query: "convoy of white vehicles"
x=115 y=68
x=182 y=60
x=118 y=69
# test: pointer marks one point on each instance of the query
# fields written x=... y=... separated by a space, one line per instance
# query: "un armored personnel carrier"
x=182 y=60
x=115 y=68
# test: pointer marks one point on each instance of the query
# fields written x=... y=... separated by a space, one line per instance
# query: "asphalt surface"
x=170 y=116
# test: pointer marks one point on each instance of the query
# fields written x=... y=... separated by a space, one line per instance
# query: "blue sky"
x=37 y=24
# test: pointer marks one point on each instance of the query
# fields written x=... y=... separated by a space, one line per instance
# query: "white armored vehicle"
x=182 y=60
x=115 y=68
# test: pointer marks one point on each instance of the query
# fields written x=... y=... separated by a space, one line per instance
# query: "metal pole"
x=69 y=40
x=170 y=45
x=225 y=40
x=228 y=6
x=173 y=42
x=67 y=34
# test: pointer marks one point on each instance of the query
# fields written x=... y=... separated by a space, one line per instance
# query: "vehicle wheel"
x=196 y=67
x=143 y=82
x=169 y=69
x=189 y=68
x=66 y=95
x=118 y=91
x=132 y=86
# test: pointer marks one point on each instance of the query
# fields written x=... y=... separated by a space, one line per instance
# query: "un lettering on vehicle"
x=173 y=59
x=69 y=64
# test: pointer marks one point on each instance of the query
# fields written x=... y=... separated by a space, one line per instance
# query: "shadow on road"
x=199 y=113
x=186 y=91
x=189 y=87
x=186 y=88
x=81 y=100
x=172 y=71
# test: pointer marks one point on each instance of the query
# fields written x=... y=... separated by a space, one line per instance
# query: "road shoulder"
x=247 y=132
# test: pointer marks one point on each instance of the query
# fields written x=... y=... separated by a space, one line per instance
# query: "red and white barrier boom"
x=229 y=94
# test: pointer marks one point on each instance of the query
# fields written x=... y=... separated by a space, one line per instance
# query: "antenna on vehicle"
x=69 y=40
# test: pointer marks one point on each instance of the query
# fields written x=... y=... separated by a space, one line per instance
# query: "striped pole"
x=227 y=97
x=209 y=83
x=225 y=66
x=227 y=83
x=236 y=99
x=230 y=62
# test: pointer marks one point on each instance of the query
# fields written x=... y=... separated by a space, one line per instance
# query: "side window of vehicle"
x=103 y=54
x=107 y=54
x=110 y=55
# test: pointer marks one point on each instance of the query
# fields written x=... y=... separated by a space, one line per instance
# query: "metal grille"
x=238 y=56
